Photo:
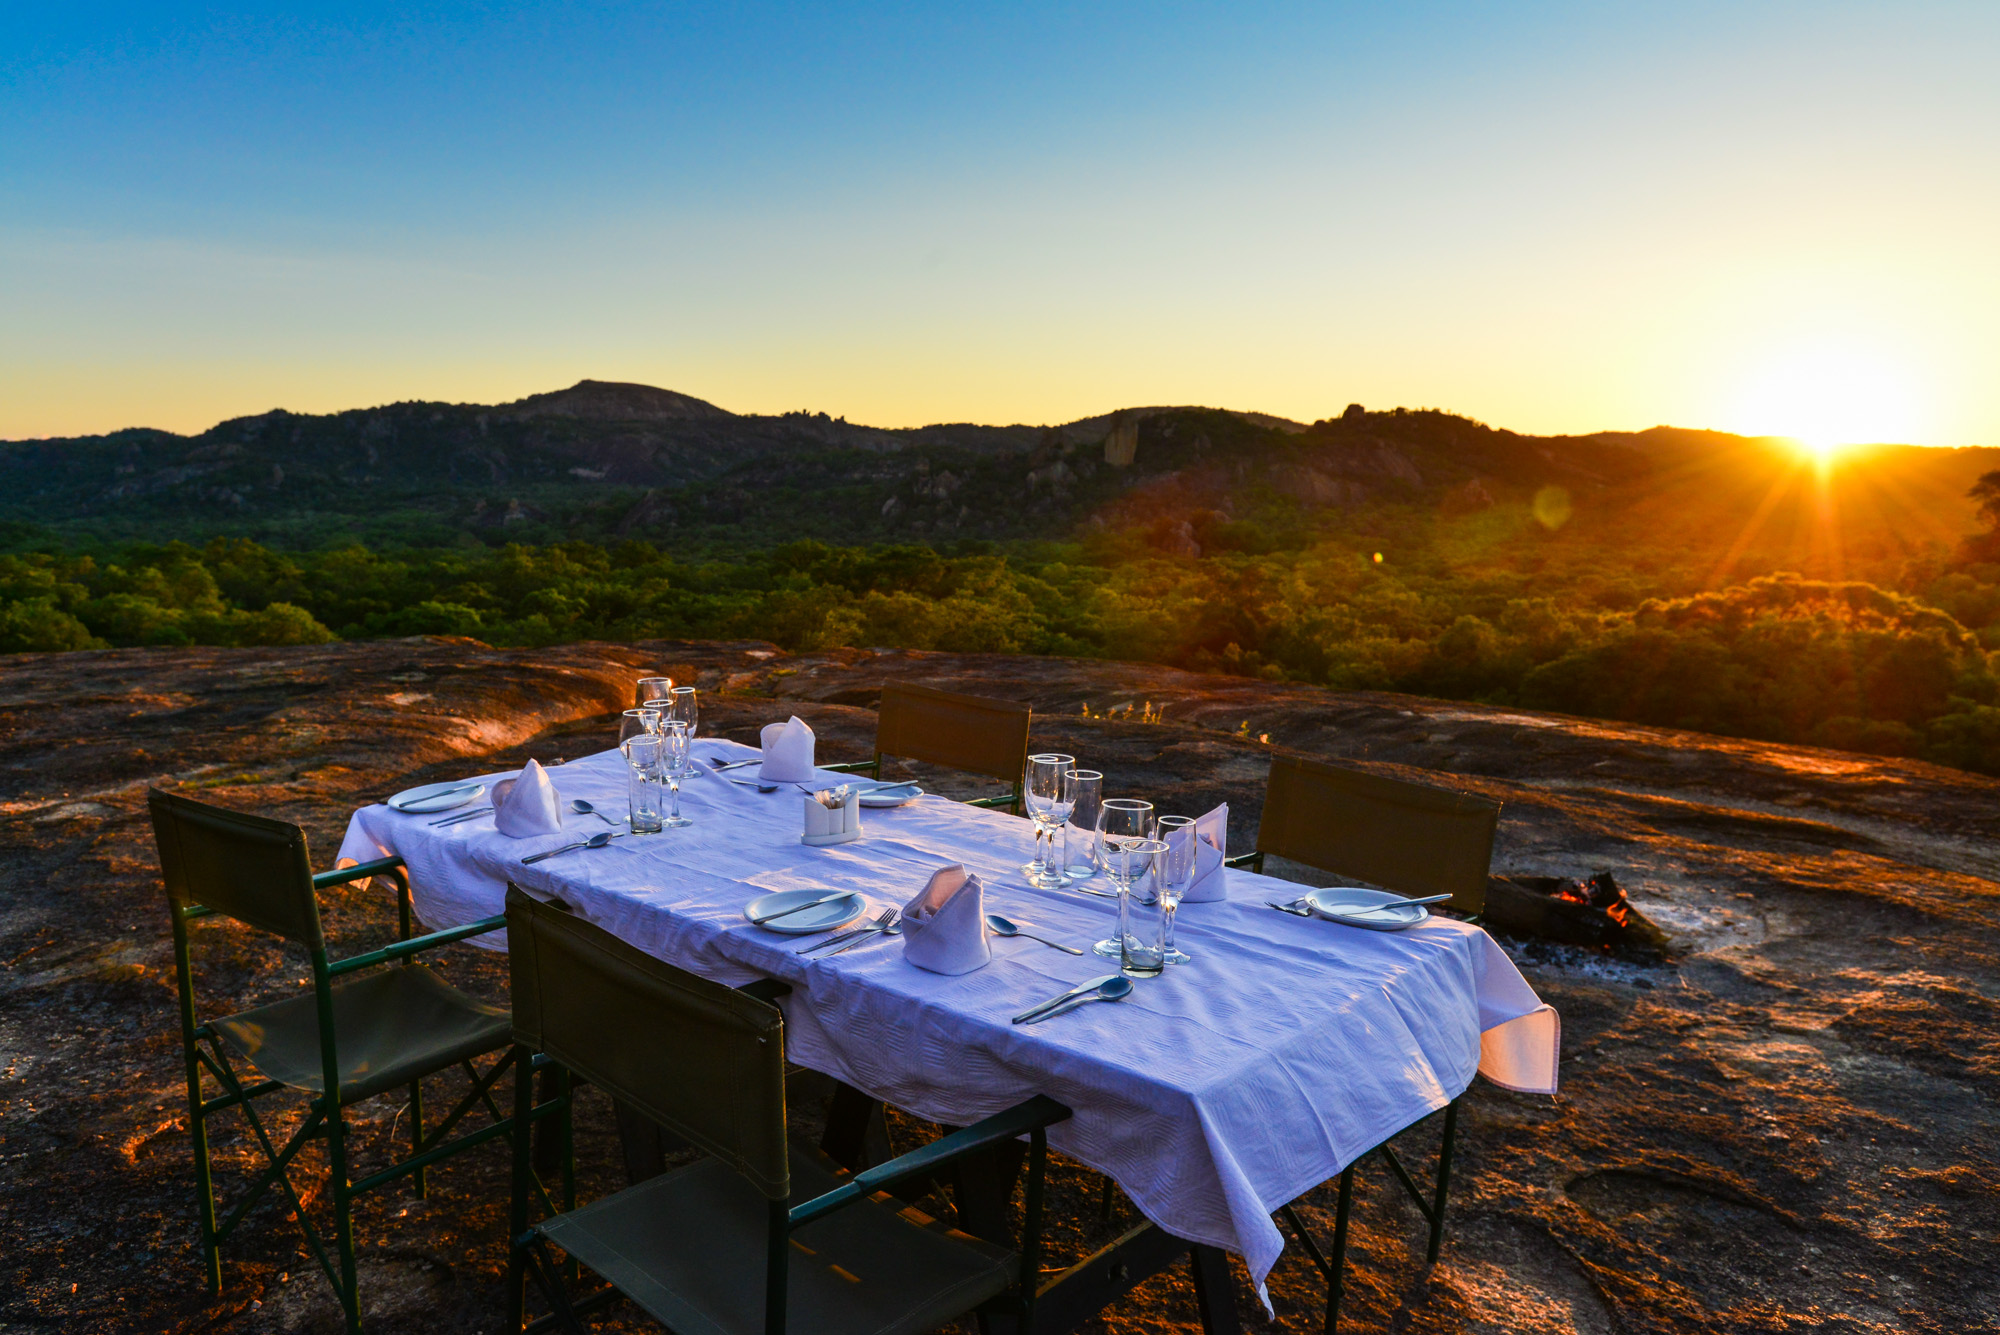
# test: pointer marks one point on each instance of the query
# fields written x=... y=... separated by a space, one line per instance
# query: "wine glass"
x=1050 y=799
x=1124 y=828
x=683 y=706
x=651 y=688
x=1173 y=873
x=636 y=723
x=675 y=763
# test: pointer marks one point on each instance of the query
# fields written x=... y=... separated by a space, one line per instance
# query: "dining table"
x=1283 y=1050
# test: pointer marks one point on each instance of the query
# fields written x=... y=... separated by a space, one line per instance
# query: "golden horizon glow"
x=1830 y=395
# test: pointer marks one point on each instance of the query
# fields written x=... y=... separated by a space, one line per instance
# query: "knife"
x=801 y=908
x=1076 y=991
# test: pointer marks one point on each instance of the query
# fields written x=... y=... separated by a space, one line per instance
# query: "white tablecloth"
x=1214 y=1094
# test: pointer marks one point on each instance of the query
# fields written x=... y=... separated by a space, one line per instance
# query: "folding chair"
x=962 y=732
x=1406 y=837
x=758 y=1234
x=361 y=1031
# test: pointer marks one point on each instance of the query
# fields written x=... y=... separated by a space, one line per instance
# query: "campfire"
x=1593 y=912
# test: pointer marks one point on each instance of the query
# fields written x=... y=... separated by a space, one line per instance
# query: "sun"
x=1830 y=396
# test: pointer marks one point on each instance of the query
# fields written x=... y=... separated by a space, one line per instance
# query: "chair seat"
x=391 y=1025
x=690 y=1247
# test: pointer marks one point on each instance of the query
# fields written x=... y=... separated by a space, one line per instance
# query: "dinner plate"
x=1352 y=905
x=435 y=797
x=828 y=916
x=894 y=798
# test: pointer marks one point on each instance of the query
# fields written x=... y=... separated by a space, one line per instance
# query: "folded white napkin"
x=944 y=927
x=1213 y=832
x=788 y=751
x=527 y=806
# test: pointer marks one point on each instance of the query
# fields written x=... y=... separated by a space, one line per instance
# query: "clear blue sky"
x=1765 y=217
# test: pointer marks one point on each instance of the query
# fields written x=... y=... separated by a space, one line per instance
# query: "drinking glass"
x=1139 y=951
x=1124 y=826
x=675 y=761
x=1173 y=873
x=635 y=722
x=1080 y=860
x=1049 y=803
x=643 y=754
x=651 y=688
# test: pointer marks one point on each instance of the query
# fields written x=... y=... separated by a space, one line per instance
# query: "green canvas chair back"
x=1406 y=837
x=251 y=868
x=963 y=732
x=703 y=1060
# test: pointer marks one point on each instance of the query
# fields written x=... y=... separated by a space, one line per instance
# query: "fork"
x=889 y=928
x=881 y=923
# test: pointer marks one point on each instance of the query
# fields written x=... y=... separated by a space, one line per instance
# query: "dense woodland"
x=1679 y=579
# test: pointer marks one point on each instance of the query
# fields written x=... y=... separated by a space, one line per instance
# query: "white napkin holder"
x=833 y=825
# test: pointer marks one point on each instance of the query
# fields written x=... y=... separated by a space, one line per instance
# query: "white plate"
x=433 y=797
x=827 y=917
x=894 y=798
x=1350 y=904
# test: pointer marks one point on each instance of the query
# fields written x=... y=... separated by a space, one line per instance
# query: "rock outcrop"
x=1790 y=1123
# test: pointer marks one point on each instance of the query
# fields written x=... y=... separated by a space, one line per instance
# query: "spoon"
x=1111 y=989
x=1000 y=926
x=583 y=808
x=598 y=840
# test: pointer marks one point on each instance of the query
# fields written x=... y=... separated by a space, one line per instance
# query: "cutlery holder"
x=832 y=825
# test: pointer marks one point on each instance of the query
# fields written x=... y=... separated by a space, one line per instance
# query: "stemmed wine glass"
x=675 y=761
x=1125 y=827
x=650 y=689
x=636 y=722
x=1173 y=873
x=1050 y=799
x=682 y=706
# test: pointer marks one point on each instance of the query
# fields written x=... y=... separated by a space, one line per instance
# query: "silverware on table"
x=734 y=764
x=430 y=797
x=800 y=908
x=457 y=816
x=1076 y=991
x=1111 y=989
x=758 y=784
x=882 y=921
x=889 y=928
x=595 y=841
x=583 y=808
x=1000 y=926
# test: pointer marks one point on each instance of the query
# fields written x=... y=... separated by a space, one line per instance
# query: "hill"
x=604 y=461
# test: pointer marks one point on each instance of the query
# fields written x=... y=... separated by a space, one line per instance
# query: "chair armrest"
x=360 y=871
x=1004 y=800
x=766 y=990
x=1254 y=861
x=1036 y=1113
x=855 y=767
x=404 y=949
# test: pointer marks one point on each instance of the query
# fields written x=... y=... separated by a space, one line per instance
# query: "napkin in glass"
x=788 y=751
x=1213 y=832
x=944 y=927
x=526 y=806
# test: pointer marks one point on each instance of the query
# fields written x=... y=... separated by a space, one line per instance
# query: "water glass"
x=1080 y=860
x=651 y=688
x=643 y=755
x=1173 y=873
x=636 y=722
x=1123 y=824
x=675 y=761
x=1140 y=954
x=1049 y=803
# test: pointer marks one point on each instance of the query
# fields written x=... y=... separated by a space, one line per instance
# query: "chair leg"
x=517 y=1205
x=1106 y=1200
x=1443 y=1182
x=1336 y=1279
x=417 y=1134
x=343 y=1217
x=204 y=1181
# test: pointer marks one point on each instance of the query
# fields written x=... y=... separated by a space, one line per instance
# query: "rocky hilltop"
x=1788 y=1123
x=605 y=461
